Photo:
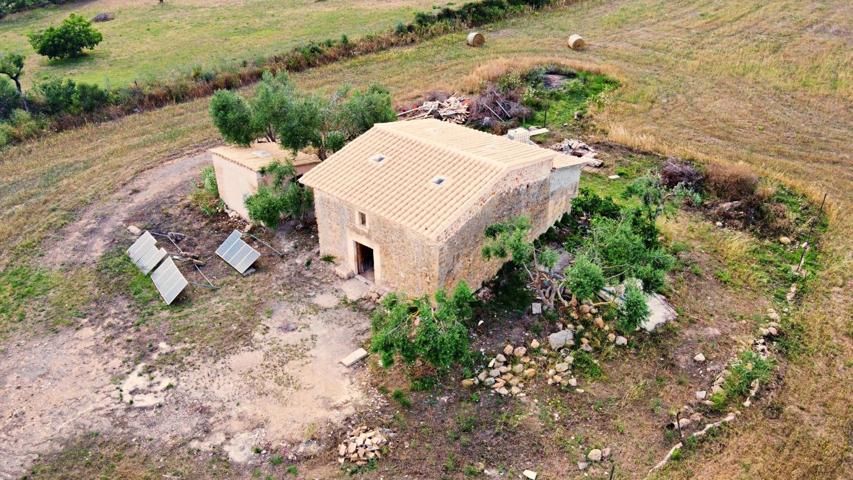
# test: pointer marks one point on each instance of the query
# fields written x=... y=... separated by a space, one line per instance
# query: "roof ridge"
x=411 y=136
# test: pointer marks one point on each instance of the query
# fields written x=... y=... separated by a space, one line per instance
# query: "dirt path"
x=86 y=239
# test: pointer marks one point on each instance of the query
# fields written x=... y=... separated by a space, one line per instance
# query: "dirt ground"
x=279 y=388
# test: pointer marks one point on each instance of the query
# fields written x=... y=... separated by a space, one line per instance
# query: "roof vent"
x=438 y=181
x=378 y=158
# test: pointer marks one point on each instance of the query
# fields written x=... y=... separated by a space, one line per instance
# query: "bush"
x=89 y=97
x=206 y=194
x=730 y=182
x=284 y=196
x=415 y=330
x=56 y=95
x=10 y=99
x=68 y=40
x=21 y=126
x=675 y=173
x=634 y=310
x=584 y=278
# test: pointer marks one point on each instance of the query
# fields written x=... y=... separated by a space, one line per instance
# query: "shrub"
x=284 y=196
x=634 y=310
x=584 y=278
x=675 y=173
x=56 y=95
x=415 y=330
x=731 y=182
x=68 y=40
x=21 y=126
x=89 y=97
x=10 y=99
x=206 y=194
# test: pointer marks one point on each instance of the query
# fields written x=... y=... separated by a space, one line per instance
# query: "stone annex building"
x=406 y=204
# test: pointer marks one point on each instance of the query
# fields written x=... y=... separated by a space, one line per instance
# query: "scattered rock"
x=519 y=352
x=701 y=394
x=561 y=367
x=699 y=358
x=103 y=17
x=134 y=230
x=530 y=373
x=536 y=308
x=560 y=339
x=508 y=350
x=573 y=382
x=534 y=343
x=500 y=358
x=785 y=240
x=605 y=453
x=594 y=455
x=582 y=465
x=468 y=382
x=621 y=341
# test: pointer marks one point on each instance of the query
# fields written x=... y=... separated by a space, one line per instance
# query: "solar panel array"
x=237 y=253
x=145 y=254
x=170 y=282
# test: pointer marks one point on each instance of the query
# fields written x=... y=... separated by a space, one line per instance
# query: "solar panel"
x=145 y=254
x=237 y=253
x=169 y=280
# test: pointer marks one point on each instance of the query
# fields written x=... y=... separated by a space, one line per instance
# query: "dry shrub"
x=675 y=172
x=731 y=182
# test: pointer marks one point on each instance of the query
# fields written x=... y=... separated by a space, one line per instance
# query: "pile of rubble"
x=507 y=371
x=576 y=148
x=363 y=445
x=451 y=109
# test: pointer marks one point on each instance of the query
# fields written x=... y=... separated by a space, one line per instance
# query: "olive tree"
x=12 y=65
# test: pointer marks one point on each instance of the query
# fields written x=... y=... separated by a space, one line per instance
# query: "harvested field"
x=698 y=82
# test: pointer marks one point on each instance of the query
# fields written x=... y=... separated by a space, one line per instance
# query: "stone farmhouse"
x=406 y=204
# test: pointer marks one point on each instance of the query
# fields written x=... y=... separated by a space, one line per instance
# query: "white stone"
x=354 y=357
x=700 y=357
x=530 y=474
x=594 y=455
x=701 y=394
x=134 y=230
x=536 y=308
x=621 y=341
x=559 y=339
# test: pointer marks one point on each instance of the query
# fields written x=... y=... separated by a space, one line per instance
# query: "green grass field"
x=765 y=83
x=152 y=41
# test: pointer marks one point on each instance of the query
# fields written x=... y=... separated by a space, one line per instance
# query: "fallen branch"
x=701 y=433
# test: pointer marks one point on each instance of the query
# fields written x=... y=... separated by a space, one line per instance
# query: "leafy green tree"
x=414 y=329
x=283 y=196
x=232 y=116
x=584 y=278
x=12 y=65
x=271 y=104
x=634 y=310
x=68 y=40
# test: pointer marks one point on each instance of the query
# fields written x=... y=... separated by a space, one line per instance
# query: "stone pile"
x=507 y=371
x=363 y=445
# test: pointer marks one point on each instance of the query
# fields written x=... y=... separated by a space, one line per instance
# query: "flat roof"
x=261 y=154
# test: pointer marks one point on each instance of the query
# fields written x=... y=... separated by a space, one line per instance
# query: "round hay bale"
x=576 y=42
x=476 y=39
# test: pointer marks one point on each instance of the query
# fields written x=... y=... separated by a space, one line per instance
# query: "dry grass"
x=763 y=83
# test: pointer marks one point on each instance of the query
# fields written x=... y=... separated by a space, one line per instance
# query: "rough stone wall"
x=235 y=183
x=543 y=199
x=403 y=260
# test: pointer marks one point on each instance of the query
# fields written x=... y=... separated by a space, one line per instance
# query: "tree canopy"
x=68 y=40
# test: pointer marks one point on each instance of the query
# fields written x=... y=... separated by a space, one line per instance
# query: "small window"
x=362 y=219
x=438 y=181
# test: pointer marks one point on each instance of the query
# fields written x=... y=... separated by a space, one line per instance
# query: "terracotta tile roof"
x=261 y=154
x=422 y=174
